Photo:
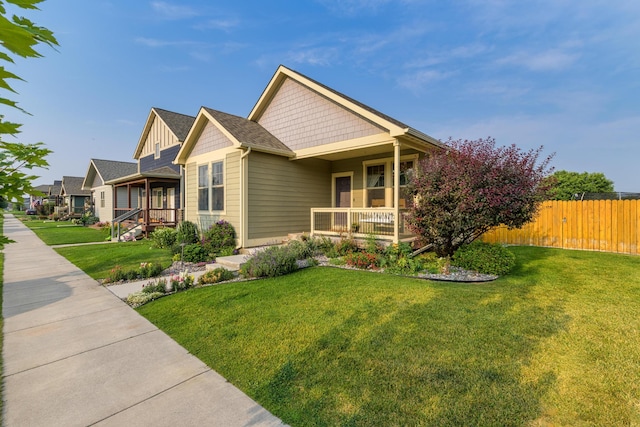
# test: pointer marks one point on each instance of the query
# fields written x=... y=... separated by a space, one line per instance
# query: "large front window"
x=375 y=186
x=211 y=187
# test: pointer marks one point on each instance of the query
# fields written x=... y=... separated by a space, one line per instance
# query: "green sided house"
x=307 y=159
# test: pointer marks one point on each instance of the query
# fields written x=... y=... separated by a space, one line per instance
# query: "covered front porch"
x=147 y=203
x=368 y=197
x=361 y=223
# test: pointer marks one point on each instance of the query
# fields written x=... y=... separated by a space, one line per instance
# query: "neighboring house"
x=50 y=194
x=307 y=159
x=153 y=191
x=74 y=199
x=102 y=195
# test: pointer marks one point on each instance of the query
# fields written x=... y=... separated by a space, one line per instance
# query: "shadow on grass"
x=455 y=360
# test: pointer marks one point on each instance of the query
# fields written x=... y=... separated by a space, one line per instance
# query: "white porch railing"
x=359 y=222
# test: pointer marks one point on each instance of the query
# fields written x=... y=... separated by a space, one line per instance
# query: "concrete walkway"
x=76 y=355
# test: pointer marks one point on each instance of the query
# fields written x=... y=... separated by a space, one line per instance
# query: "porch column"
x=396 y=190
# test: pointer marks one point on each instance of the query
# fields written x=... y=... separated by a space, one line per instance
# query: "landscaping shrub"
x=164 y=237
x=187 y=232
x=485 y=258
x=346 y=245
x=362 y=260
x=220 y=239
x=149 y=269
x=144 y=271
x=434 y=264
x=397 y=259
x=214 y=276
x=137 y=299
x=195 y=252
x=302 y=249
x=158 y=287
x=271 y=262
x=181 y=282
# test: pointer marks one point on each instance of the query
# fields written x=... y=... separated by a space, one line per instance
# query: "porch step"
x=233 y=262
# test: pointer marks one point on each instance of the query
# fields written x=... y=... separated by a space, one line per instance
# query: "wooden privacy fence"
x=594 y=225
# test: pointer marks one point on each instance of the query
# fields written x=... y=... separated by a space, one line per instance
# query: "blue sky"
x=559 y=73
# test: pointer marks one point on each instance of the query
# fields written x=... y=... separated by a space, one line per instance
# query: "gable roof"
x=72 y=186
x=249 y=133
x=395 y=127
x=107 y=170
x=178 y=124
x=54 y=190
x=243 y=133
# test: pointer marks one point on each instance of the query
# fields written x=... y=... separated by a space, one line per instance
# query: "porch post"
x=396 y=191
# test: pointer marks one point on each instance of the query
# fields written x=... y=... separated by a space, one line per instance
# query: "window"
x=203 y=188
x=102 y=200
x=211 y=187
x=375 y=186
x=156 y=153
x=156 y=198
x=405 y=199
x=217 y=186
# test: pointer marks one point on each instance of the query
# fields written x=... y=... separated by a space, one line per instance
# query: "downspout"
x=244 y=215
x=396 y=190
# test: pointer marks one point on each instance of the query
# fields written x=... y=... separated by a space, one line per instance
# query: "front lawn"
x=553 y=343
x=98 y=260
x=64 y=232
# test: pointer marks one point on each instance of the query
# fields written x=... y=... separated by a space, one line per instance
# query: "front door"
x=343 y=192
x=343 y=200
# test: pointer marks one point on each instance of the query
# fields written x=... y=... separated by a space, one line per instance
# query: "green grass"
x=64 y=232
x=97 y=260
x=553 y=343
x=1 y=315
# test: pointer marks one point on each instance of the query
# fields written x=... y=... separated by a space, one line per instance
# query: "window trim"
x=210 y=187
x=388 y=182
x=156 y=150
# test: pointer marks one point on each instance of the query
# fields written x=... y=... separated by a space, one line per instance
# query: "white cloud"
x=218 y=24
x=551 y=60
x=417 y=81
x=322 y=56
x=155 y=43
x=172 y=11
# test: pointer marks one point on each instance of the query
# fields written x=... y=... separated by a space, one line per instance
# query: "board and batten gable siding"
x=302 y=118
x=159 y=133
x=281 y=194
x=231 y=213
x=97 y=181
x=210 y=139
x=167 y=156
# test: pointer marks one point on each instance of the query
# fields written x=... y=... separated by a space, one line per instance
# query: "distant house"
x=75 y=200
x=306 y=159
x=102 y=195
x=50 y=194
x=153 y=192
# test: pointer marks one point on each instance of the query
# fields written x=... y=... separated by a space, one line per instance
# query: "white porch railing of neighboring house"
x=358 y=222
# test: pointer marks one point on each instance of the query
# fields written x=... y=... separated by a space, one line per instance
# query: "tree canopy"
x=570 y=185
x=18 y=38
x=465 y=190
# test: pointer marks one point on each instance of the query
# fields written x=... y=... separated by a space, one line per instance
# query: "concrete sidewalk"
x=76 y=355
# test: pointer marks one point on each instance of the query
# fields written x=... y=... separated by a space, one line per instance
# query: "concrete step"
x=234 y=262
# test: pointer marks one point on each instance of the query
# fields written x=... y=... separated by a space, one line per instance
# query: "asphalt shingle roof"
x=248 y=132
x=72 y=186
x=180 y=124
x=112 y=169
